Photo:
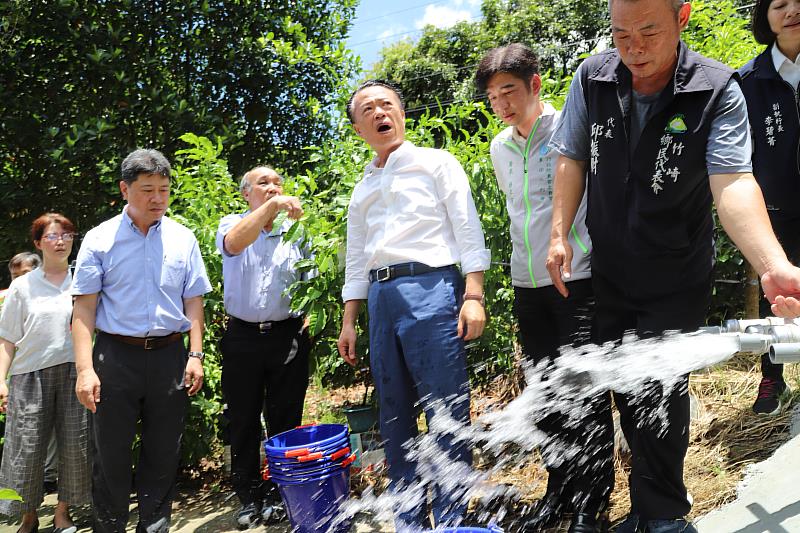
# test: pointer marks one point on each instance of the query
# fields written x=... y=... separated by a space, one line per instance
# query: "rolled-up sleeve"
x=197 y=283
x=88 y=275
x=454 y=190
x=225 y=225
x=356 y=281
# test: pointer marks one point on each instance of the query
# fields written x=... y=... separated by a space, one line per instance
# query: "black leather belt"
x=265 y=326
x=403 y=269
x=148 y=343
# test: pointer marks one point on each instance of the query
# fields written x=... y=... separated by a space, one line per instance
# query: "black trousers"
x=548 y=321
x=261 y=370
x=789 y=237
x=657 y=491
x=137 y=386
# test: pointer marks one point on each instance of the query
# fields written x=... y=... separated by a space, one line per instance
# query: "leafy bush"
x=203 y=192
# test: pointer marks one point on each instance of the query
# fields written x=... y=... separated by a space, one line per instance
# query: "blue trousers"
x=418 y=361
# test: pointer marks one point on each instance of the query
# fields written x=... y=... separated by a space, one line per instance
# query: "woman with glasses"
x=770 y=86
x=39 y=398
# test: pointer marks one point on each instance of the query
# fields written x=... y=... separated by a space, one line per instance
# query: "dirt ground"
x=726 y=437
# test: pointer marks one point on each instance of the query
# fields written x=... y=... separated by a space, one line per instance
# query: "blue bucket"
x=316 y=471
x=311 y=437
x=310 y=459
x=492 y=529
x=313 y=504
x=294 y=455
x=468 y=530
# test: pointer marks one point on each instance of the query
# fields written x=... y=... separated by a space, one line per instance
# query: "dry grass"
x=725 y=437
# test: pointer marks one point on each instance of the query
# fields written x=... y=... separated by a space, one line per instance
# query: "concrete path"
x=768 y=499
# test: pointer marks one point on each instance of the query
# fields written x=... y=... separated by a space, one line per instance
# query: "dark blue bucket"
x=492 y=529
x=468 y=530
x=295 y=454
x=318 y=436
x=313 y=504
x=315 y=471
x=310 y=459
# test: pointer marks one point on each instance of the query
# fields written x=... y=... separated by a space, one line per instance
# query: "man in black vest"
x=658 y=131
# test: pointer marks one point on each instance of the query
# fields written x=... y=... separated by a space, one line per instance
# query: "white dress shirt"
x=787 y=69
x=418 y=207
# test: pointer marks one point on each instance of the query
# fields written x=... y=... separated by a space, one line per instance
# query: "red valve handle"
x=297 y=453
x=340 y=453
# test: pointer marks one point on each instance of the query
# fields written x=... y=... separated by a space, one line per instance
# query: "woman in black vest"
x=769 y=84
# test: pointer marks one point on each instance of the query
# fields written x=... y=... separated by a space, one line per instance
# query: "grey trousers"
x=40 y=403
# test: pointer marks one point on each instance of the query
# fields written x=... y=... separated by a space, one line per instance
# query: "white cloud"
x=442 y=16
x=391 y=32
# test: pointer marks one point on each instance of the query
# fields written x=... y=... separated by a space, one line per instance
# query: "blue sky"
x=380 y=22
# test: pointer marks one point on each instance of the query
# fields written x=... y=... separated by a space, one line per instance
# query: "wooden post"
x=752 y=292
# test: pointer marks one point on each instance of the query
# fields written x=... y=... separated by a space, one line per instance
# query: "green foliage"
x=85 y=82
x=466 y=131
x=203 y=191
x=10 y=494
x=731 y=43
x=439 y=67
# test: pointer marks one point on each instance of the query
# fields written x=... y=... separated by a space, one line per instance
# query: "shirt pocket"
x=173 y=274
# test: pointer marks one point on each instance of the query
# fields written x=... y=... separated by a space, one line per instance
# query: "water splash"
x=508 y=435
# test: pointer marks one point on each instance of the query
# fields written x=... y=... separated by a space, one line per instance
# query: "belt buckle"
x=264 y=327
x=149 y=343
x=383 y=274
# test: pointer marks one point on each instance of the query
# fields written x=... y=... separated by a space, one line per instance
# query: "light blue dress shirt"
x=256 y=280
x=141 y=279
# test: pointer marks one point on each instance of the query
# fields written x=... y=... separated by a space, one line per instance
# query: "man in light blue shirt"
x=265 y=345
x=139 y=280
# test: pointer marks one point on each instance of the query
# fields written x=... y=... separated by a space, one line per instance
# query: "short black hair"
x=515 y=59
x=759 y=23
x=373 y=83
x=144 y=161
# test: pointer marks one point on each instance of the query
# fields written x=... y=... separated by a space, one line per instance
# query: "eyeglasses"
x=53 y=237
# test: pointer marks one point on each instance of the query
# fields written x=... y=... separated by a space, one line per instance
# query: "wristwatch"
x=199 y=355
x=477 y=297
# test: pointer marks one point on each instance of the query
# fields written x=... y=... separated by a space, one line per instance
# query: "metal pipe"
x=741 y=326
x=787 y=352
x=753 y=343
x=776 y=336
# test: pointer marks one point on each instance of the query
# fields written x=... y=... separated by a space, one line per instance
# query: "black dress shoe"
x=547 y=515
x=585 y=523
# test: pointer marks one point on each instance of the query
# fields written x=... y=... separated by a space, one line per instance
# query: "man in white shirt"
x=410 y=220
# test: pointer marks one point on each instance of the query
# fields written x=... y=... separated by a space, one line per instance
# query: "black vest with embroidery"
x=649 y=209
x=775 y=127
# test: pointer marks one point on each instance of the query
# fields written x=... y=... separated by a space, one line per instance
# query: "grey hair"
x=24 y=258
x=676 y=5
x=244 y=183
x=144 y=161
